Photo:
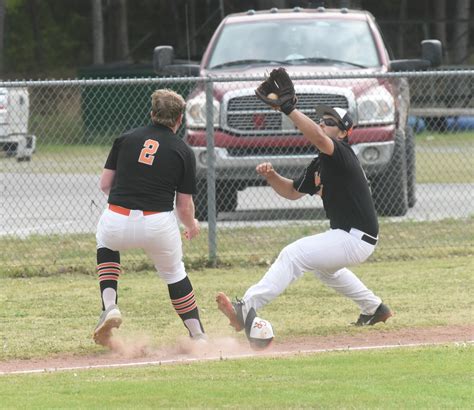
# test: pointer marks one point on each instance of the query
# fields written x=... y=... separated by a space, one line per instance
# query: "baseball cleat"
x=109 y=319
x=382 y=313
x=230 y=310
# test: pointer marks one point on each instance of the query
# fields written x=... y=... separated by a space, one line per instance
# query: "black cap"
x=340 y=114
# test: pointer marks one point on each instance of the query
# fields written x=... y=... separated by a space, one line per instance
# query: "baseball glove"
x=278 y=91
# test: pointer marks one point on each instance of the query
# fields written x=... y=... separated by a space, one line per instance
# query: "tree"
x=2 y=25
x=38 y=49
x=401 y=28
x=97 y=32
x=123 y=51
x=460 y=42
x=440 y=17
x=116 y=30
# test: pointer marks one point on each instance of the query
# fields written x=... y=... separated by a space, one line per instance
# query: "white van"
x=15 y=141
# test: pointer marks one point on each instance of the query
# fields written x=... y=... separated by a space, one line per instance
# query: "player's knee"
x=171 y=274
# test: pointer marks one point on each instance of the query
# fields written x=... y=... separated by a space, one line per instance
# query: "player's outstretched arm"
x=282 y=186
x=312 y=132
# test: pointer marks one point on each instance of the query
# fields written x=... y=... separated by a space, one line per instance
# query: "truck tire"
x=226 y=198
x=23 y=159
x=411 y=166
x=390 y=189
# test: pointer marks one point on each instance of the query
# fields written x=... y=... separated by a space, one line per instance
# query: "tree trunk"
x=440 y=25
x=268 y=4
x=123 y=50
x=2 y=25
x=461 y=32
x=192 y=28
x=33 y=9
x=401 y=29
x=97 y=33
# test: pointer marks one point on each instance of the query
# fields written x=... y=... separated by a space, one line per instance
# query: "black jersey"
x=345 y=191
x=151 y=165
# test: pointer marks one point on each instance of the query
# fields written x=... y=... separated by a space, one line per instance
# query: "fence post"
x=211 y=176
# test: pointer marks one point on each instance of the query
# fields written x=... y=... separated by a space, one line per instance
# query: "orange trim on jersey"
x=125 y=211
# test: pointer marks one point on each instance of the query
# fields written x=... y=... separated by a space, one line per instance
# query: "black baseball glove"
x=280 y=85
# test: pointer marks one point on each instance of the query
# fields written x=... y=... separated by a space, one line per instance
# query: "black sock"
x=108 y=269
x=183 y=300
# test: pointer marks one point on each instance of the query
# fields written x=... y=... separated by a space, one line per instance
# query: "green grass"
x=60 y=159
x=41 y=316
x=423 y=378
x=454 y=151
x=53 y=254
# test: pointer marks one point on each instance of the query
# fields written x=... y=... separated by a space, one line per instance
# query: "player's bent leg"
x=184 y=303
x=346 y=283
x=286 y=269
x=108 y=271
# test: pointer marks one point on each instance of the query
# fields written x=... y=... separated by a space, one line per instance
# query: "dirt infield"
x=139 y=352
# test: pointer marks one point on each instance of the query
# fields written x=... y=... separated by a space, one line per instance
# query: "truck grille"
x=272 y=151
x=248 y=114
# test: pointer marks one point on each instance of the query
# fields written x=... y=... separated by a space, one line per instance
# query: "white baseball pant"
x=326 y=255
x=158 y=235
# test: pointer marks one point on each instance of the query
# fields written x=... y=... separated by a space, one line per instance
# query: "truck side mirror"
x=162 y=56
x=432 y=51
x=431 y=56
x=165 y=64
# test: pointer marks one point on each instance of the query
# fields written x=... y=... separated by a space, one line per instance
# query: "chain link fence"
x=414 y=135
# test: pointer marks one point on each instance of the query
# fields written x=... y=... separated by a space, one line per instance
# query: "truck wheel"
x=226 y=198
x=411 y=166
x=389 y=190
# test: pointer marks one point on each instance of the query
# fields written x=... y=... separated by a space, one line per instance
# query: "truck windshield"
x=322 y=42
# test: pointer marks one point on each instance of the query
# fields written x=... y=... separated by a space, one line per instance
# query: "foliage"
x=64 y=30
x=63 y=41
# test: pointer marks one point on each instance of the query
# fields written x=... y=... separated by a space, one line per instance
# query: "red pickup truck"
x=304 y=41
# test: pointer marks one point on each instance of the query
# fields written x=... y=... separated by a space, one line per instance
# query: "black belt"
x=369 y=239
x=364 y=237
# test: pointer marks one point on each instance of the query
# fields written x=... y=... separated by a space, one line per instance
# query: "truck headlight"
x=196 y=112
x=377 y=107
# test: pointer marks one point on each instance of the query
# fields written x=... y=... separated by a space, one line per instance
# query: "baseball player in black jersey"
x=146 y=168
x=337 y=176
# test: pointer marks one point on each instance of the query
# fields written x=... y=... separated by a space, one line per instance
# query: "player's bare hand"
x=192 y=231
x=265 y=169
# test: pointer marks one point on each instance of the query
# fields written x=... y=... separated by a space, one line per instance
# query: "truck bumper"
x=373 y=156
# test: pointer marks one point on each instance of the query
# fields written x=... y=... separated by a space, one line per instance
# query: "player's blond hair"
x=166 y=107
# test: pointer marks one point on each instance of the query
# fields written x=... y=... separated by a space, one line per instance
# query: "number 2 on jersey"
x=147 y=154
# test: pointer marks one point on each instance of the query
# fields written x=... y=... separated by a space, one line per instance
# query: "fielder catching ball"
x=337 y=176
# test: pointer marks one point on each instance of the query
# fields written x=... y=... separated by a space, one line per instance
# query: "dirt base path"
x=139 y=353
